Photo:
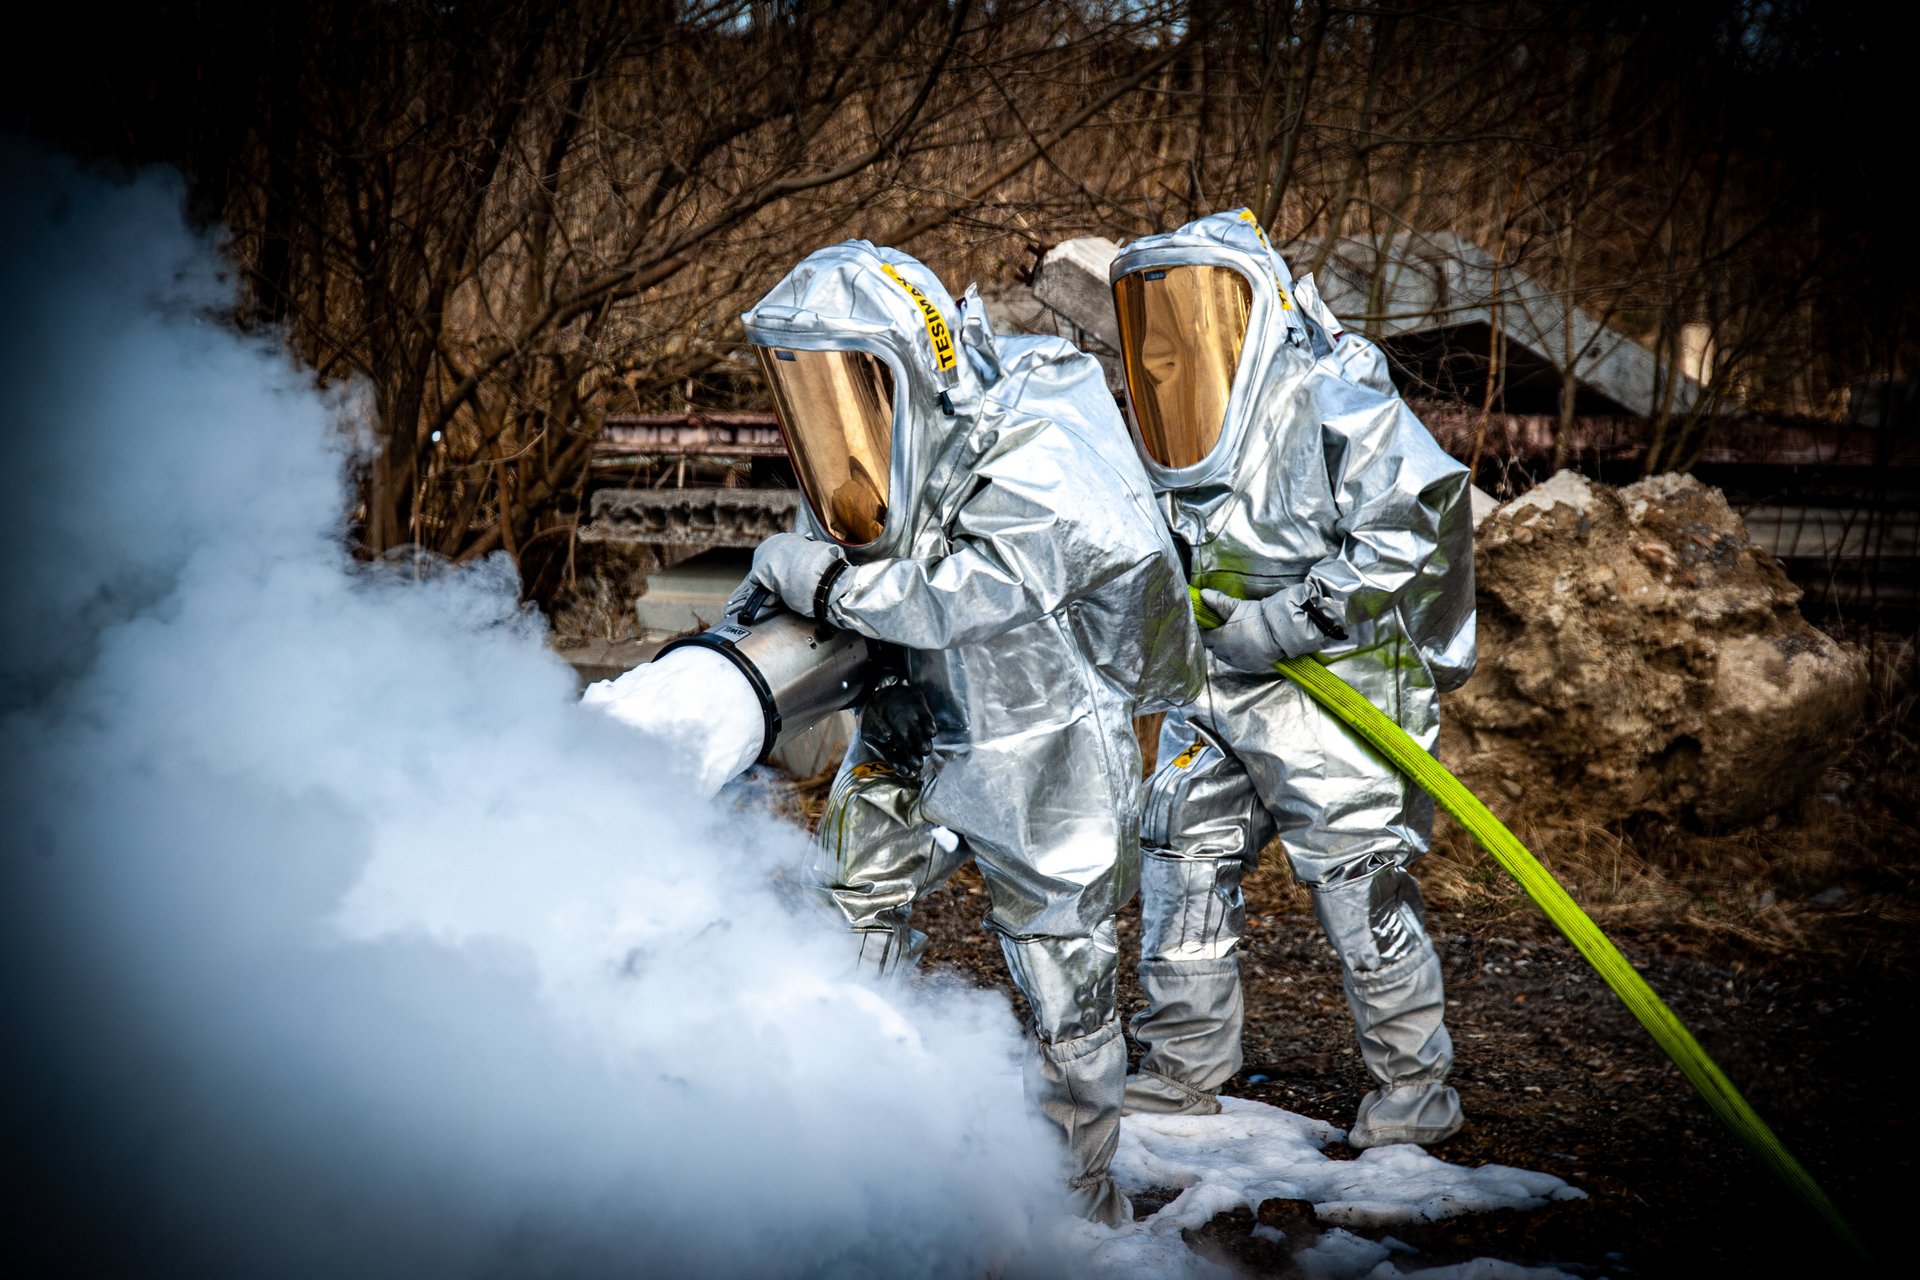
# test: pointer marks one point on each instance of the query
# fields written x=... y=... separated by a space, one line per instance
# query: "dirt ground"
x=1789 y=949
x=1557 y=1076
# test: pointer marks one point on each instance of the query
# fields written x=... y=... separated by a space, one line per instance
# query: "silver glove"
x=1255 y=634
x=791 y=566
x=738 y=600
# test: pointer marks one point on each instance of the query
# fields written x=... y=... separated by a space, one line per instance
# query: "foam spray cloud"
x=335 y=937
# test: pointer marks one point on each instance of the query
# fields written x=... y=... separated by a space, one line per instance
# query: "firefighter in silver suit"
x=973 y=503
x=1318 y=516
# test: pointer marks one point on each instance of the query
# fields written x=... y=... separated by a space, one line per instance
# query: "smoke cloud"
x=336 y=938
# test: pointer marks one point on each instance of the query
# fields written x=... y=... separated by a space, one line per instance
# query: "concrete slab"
x=1071 y=283
x=1072 y=279
x=1437 y=280
x=703 y=518
x=690 y=595
x=1431 y=282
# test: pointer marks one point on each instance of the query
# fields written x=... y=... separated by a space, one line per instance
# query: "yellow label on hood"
x=1246 y=216
x=945 y=357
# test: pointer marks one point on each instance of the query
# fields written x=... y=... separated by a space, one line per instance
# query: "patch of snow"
x=1403 y=1183
x=1087 y=1249
x=1252 y=1152
x=1339 y=1255
x=1477 y=1269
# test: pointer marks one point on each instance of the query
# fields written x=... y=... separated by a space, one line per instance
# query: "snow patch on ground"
x=1341 y=1255
x=1087 y=1249
x=1252 y=1152
x=1478 y=1269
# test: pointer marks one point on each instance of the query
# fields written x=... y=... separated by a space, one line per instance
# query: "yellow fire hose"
x=1392 y=742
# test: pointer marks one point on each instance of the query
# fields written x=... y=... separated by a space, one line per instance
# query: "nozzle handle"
x=757 y=601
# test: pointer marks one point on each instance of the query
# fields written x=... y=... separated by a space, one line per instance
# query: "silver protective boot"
x=1189 y=1035
x=1394 y=988
x=1076 y=1084
x=1076 y=1063
x=1193 y=915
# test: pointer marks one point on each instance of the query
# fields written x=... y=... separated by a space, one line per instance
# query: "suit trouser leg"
x=1257 y=757
x=1351 y=827
x=873 y=855
x=1076 y=1061
x=1202 y=827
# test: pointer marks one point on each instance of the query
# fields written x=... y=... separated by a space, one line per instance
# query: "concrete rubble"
x=1436 y=283
x=1639 y=654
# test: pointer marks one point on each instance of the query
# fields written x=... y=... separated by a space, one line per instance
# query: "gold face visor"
x=836 y=412
x=1181 y=331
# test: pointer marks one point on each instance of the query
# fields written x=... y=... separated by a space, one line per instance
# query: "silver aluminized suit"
x=1038 y=595
x=1321 y=472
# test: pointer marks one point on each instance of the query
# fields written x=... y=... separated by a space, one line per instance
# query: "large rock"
x=1638 y=654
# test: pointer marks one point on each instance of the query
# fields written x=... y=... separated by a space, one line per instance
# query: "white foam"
x=695 y=700
x=341 y=940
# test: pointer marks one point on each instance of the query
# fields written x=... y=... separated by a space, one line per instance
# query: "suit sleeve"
x=1397 y=494
x=1016 y=555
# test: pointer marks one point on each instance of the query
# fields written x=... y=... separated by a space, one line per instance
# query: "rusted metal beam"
x=723 y=433
x=755 y=433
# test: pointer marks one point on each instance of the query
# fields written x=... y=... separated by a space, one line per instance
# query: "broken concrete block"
x=1072 y=280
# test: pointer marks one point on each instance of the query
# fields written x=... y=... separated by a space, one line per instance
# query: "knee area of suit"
x=1069 y=983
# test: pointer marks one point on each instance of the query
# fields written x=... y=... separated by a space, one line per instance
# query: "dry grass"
x=593 y=609
x=597 y=603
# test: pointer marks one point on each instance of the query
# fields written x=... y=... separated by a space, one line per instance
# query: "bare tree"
x=509 y=218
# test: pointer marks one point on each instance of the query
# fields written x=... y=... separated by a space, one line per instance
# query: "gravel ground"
x=1556 y=1075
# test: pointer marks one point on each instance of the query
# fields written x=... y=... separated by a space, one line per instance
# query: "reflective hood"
x=872 y=382
x=1316 y=470
x=1203 y=311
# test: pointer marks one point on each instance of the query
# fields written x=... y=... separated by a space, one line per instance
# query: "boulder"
x=1639 y=654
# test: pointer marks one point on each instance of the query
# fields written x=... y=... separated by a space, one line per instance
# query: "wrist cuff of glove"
x=1317 y=607
x=823 y=593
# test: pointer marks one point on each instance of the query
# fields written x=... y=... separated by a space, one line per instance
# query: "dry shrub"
x=592 y=609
